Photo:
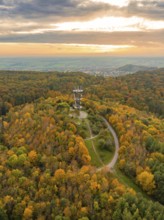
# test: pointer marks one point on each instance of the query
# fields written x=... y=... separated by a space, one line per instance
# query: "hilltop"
x=50 y=161
x=129 y=68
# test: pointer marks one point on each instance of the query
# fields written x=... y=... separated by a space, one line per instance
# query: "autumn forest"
x=53 y=163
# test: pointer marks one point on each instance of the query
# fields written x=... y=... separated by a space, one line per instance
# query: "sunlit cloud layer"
x=100 y=48
x=98 y=25
x=119 y=3
x=110 y=24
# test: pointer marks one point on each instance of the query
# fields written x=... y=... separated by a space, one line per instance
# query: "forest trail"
x=112 y=163
x=90 y=138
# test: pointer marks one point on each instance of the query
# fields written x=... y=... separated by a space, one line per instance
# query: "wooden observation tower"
x=78 y=92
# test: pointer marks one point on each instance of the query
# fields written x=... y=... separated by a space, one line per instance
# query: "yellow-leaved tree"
x=146 y=180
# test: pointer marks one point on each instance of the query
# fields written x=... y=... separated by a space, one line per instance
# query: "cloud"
x=115 y=38
x=31 y=15
x=54 y=9
x=30 y=21
x=147 y=9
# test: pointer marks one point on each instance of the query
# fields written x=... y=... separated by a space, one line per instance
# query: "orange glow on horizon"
x=46 y=49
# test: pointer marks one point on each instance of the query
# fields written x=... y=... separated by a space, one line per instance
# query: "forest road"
x=112 y=163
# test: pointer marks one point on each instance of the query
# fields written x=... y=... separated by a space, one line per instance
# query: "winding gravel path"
x=114 y=160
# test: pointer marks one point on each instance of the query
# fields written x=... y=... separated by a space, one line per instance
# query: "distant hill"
x=134 y=68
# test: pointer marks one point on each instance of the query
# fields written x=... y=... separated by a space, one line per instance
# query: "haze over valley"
x=109 y=66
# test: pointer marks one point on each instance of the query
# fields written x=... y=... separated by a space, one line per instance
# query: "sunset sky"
x=81 y=27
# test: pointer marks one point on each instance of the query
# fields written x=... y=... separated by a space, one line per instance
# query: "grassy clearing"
x=94 y=159
x=105 y=155
x=84 y=122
